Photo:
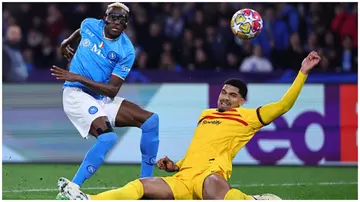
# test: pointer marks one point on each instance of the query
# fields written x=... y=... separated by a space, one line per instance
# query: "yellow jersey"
x=218 y=137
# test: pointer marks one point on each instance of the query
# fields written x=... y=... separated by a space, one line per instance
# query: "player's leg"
x=94 y=158
x=89 y=117
x=130 y=114
x=151 y=188
x=215 y=187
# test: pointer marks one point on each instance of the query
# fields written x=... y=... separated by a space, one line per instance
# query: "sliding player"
x=207 y=166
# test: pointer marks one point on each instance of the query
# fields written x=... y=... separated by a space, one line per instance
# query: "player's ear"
x=242 y=101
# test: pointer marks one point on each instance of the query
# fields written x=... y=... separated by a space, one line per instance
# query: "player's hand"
x=62 y=74
x=66 y=50
x=310 y=62
x=167 y=165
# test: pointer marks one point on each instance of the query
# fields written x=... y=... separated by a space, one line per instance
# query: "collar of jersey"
x=104 y=36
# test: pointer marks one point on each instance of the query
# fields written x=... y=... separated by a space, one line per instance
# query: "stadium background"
x=184 y=52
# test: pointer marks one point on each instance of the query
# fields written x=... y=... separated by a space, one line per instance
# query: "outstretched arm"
x=270 y=112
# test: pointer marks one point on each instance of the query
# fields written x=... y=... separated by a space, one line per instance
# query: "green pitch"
x=32 y=181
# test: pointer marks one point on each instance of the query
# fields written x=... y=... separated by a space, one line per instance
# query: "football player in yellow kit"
x=205 y=169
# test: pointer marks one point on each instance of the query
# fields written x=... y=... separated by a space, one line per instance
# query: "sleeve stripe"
x=259 y=117
x=118 y=76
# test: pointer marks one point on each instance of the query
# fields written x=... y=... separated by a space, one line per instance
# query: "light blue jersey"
x=98 y=57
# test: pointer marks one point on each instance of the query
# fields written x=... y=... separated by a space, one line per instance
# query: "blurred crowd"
x=190 y=36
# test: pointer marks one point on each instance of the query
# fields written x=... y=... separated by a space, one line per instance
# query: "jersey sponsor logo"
x=97 y=50
x=93 y=110
x=223 y=117
x=86 y=43
x=112 y=56
x=215 y=122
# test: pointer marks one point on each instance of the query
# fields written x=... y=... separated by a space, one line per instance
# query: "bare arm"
x=168 y=165
x=65 y=47
x=74 y=37
x=111 y=89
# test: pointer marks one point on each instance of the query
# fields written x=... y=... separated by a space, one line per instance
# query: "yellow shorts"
x=189 y=185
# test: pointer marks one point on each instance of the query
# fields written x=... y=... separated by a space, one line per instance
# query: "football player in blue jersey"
x=97 y=71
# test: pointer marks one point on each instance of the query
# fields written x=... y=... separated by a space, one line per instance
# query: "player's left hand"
x=310 y=62
x=62 y=74
x=167 y=165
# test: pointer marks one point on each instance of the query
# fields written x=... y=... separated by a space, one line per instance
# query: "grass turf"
x=38 y=181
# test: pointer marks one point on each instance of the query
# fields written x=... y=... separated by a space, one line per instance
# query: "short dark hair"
x=239 y=84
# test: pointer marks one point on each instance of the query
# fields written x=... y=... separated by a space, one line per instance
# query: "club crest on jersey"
x=93 y=110
x=112 y=56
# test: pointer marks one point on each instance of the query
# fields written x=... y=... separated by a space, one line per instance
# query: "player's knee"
x=109 y=137
x=213 y=179
x=215 y=187
x=151 y=123
x=138 y=185
x=156 y=188
x=107 y=128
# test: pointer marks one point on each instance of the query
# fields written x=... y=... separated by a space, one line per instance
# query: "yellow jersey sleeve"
x=251 y=117
x=264 y=115
x=270 y=112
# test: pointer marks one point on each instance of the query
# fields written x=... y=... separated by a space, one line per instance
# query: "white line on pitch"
x=233 y=185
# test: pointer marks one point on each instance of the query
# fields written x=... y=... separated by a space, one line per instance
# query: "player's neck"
x=108 y=37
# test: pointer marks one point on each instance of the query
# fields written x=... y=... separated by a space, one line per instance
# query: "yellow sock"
x=234 y=194
x=132 y=191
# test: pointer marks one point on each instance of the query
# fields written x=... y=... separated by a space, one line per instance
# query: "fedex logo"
x=94 y=48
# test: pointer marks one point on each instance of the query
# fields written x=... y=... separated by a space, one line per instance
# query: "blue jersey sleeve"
x=123 y=68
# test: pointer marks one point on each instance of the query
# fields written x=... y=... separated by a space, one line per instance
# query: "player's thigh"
x=214 y=187
x=130 y=114
x=179 y=188
x=156 y=188
x=83 y=110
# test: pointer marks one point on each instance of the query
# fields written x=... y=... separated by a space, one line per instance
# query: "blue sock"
x=95 y=157
x=149 y=145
